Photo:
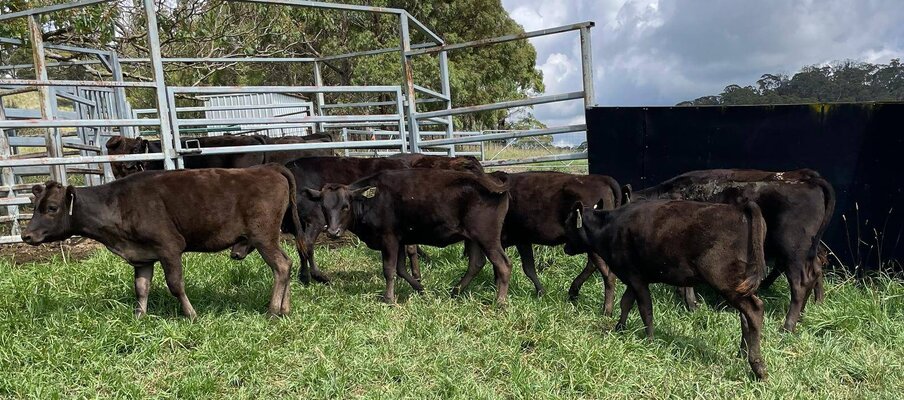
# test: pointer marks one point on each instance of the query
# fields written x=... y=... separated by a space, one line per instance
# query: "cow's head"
x=338 y=204
x=577 y=225
x=52 y=218
x=120 y=145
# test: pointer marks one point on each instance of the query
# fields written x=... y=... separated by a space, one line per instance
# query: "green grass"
x=66 y=330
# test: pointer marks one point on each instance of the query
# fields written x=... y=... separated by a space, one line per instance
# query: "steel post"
x=48 y=99
x=166 y=137
x=318 y=97
x=446 y=91
x=408 y=83
x=587 y=66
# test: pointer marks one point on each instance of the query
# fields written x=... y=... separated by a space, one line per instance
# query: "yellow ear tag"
x=580 y=221
x=370 y=193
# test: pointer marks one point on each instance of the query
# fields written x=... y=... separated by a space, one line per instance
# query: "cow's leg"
x=423 y=254
x=819 y=292
x=413 y=251
x=608 y=281
x=281 y=264
x=390 y=259
x=401 y=271
x=529 y=266
x=687 y=296
x=752 y=309
x=144 y=274
x=644 y=306
x=745 y=328
x=800 y=290
x=476 y=262
x=502 y=268
x=575 y=289
x=308 y=267
x=626 y=303
x=172 y=270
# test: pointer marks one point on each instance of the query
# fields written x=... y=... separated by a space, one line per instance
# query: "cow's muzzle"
x=32 y=238
x=334 y=233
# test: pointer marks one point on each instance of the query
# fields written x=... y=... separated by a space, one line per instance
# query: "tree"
x=220 y=28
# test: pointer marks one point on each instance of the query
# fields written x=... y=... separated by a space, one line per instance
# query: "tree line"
x=841 y=81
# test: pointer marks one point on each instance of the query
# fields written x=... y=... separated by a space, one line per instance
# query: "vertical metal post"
x=119 y=95
x=7 y=176
x=587 y=66
x=345 y=138
x=318 y=97
x=166 y=137
x=399 y=110
x=48 y=99
x=408 y=84
x=446 y=90
x=177 y=136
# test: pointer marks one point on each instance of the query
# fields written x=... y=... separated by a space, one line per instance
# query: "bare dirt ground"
x=72 y=249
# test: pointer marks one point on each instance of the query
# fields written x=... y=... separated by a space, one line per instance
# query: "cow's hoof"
x=619 y=327
x=759 y=369
x=539 y=292
x=607 y=311
x=320 y=277
x=304 y=278
x=456 y=291
x=788 y=327
x=139 y=313
x=573 y=296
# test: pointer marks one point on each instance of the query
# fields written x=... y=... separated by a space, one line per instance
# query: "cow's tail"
x=756 y=260
x=292 y=219
x=494 y=184
x=828 y=193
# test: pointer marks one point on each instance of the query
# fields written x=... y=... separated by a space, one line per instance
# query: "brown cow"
x=539 y=204
x=158 y=215
x=395 y=208
x=797 y=206
x=118 y=145
x=458 y=163
x=680 y=243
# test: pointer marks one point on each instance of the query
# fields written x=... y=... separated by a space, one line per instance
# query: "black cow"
x=158 y=215
x=395 y=208
x=540 y=202
x=797 y=206
x=680 y=243
x=119 y=145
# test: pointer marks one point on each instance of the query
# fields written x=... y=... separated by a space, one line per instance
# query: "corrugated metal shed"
x=260 y=105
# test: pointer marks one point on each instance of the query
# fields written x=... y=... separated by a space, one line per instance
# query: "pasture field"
x=67 y=330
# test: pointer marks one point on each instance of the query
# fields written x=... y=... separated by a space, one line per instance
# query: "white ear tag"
x=580 y=220
x=370 y=193
x=71 y=204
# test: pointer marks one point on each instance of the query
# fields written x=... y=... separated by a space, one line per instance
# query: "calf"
x=395 y=208
x=118 y=145
x=680 y=243
x=797 y=206
x=539 y=203
x=157 y=216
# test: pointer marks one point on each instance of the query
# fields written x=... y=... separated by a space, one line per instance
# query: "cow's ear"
x=313 y=194
x=367 y=192
x=70 y=198
x=37 y=190
x=626 y=191
x=600 y=205
x=114 y=142
x=141 y=146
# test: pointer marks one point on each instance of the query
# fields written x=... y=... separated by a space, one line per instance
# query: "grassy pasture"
x=66 y=330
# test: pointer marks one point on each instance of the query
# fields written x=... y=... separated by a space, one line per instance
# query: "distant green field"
x=66 y=330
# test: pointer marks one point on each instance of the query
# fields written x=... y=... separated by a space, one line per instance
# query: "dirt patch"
x=72 y=249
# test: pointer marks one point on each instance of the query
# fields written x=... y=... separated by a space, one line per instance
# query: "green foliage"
x=846 y=81
x=219 y=28
x=66 y=330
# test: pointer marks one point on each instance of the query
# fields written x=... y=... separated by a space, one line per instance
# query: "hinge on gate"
x=192 y=146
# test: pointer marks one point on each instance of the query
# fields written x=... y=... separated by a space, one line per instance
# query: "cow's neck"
x=91 y=217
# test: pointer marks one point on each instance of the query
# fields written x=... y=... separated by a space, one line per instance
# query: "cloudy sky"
x=660 y=52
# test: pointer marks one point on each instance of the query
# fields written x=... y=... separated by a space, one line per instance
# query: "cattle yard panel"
x=100 y=108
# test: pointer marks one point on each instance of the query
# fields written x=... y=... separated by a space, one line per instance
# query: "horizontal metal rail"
x=535 y=160
x=77 y=123
x=12 y=92
x=502 y=105
x=331 y=6
x=80 y=160
x=281 y=89
x=430 y=92
x=107 y=84
x=373 y=52
x=501 y=39
x=229 y=108
x=63 y=47
x=276 y=120
x=504 y=135
x=268 y=148
x=50 y=9
x=377 y=103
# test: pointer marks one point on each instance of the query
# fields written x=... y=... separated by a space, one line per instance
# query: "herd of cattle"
x=714 y=227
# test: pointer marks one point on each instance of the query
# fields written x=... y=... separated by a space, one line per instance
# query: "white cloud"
x=660 y=52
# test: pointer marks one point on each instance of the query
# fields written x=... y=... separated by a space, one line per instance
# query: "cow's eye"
x=52 y=209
